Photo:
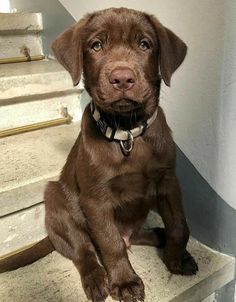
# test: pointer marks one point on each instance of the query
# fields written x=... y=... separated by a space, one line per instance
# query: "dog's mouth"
x=125 y=105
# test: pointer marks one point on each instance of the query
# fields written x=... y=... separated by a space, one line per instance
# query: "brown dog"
x=123 y=162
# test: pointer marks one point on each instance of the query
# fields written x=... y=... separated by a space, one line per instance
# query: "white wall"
x=226 y=165
x=4 y=6
x=200 y=105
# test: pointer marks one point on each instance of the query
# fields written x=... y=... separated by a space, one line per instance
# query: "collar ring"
x=126 y=150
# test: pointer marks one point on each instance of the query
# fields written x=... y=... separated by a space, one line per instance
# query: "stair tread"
x=40 y=154
x=22 y=80
x=30 y=68
x=20 y=22
x=57 y=279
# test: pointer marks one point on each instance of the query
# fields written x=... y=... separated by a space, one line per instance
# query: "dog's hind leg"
x=149 y=237
x=67 y=230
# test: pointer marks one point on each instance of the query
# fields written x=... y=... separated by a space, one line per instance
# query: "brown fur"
x=102 y=199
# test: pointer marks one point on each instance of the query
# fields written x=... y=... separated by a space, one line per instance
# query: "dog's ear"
x=68 y=50
x=172 y=50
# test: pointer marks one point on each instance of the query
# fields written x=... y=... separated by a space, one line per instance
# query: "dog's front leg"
x=169 y=205
x=125 y=285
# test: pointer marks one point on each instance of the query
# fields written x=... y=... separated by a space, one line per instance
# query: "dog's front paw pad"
x=95 y=285
x=128 y=291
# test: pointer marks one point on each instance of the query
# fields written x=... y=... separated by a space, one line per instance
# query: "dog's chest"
x=135 y=175
x=142 y=159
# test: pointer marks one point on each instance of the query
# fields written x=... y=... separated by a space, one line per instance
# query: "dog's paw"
x=129 y=290
x=186 y=266
x=189 y=265
x=95 y=285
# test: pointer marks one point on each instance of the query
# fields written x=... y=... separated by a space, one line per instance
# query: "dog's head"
x=123 y=54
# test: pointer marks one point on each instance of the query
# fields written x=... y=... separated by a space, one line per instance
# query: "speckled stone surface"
x=40 y=155
x=21 y=22
x=54 y=278
x=20 y=80
x=13 y=46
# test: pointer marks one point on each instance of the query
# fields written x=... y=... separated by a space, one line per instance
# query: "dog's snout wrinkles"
x=122 y=78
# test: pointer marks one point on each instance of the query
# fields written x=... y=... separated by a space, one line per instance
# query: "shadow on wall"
x=55 y=18
x=211 y=220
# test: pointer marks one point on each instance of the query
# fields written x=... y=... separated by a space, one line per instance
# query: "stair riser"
x=39 y=110
x=12 y=46
x=23 y=197
x=36 y=84
x=20 y=23
x=21 y=229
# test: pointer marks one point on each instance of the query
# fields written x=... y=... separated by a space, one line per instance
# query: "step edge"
x=33 y=180
x=30 y=188
x=20 y=31
x=215 y=280
x=27 y=98
x=51 y=72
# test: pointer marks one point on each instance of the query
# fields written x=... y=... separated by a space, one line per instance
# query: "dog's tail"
x=26 y=255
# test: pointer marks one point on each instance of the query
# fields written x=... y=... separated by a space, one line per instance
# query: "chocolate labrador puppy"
x=123 y=163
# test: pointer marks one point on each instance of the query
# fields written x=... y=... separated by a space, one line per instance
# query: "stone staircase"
x=20 y=36
x=34 y=93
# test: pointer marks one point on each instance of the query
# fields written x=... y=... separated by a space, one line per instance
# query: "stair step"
x=36 y=92
x=40 y=109
x=54 y=278
x=14 y=46
x=22 y=228
x=31 y=159
x=23 y=197
x=20 y=35
x=22 y=81
x=20 y=23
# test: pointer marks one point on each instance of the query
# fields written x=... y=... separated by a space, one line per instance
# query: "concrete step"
x=18 y=45
x=47 y=108
x=20 y=33
x=54 y=278
x=34 y=92
x=22 y=228
x=28 y=160
x=23 y=80
x=20 y=23
x=23 y=197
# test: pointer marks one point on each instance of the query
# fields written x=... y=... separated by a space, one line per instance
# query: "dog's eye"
x=97 y=46
x=144 y=45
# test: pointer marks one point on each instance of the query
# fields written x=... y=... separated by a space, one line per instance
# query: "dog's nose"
x=122 y=78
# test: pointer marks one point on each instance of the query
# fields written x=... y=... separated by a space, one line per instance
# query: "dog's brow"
x=102 y=35
x=135 y=34
x=144 y=34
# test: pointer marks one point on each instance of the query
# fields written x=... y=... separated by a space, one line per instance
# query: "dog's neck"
x=124 y=136
x=123 y=120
